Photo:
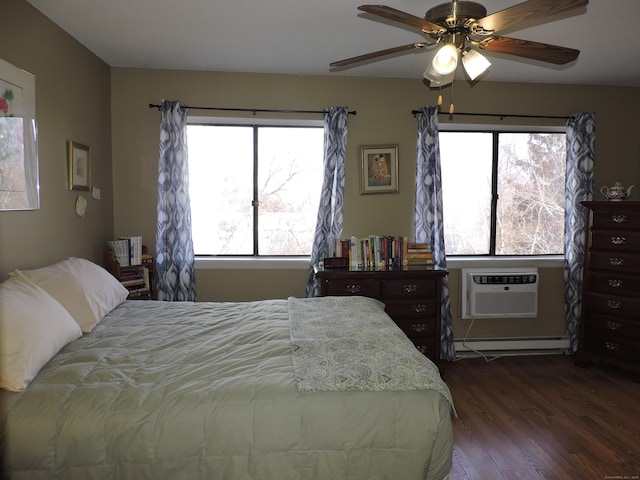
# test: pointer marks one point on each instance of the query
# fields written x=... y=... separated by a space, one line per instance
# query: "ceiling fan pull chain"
x=451 y=108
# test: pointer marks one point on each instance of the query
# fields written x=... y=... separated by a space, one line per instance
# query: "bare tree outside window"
x=261 y=201
x=530 y=211
x=529 y=184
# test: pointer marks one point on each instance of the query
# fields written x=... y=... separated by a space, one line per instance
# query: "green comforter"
x=208 y=391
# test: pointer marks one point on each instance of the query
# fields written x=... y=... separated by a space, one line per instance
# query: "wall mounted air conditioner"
x=499 y=293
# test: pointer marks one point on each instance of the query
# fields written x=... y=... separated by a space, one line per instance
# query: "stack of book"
x=379 y=252
x=418 y=256
x=134 y=270
x=136 y=280
x=127 y=250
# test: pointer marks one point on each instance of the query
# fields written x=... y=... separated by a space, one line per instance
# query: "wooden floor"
x=542 y=418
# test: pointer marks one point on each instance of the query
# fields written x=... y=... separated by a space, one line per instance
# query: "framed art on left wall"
x=79 y=166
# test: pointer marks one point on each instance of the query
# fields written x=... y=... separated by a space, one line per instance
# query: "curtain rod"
x=501 y=115
x=251 y=110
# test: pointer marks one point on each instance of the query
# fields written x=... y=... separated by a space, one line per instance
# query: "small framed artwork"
x=379 y=173
x=79 y=167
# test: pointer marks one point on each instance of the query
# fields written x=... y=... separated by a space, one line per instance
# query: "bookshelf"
x=138 y=279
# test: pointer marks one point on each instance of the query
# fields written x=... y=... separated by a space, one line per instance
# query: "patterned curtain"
x=175 y=262
x=329 y=223
x=428 y=221
x=579 y=182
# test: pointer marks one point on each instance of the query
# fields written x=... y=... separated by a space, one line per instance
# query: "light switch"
x=95 y=193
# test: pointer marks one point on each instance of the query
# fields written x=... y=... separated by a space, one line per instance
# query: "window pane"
x=290 y=173
x=466 y=159
x=221 y=189
x=530 y=210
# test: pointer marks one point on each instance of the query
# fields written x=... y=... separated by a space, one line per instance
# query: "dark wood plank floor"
x=542 y=418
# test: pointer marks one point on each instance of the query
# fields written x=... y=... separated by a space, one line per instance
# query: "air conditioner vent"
x=504 y=293
x=504 y=279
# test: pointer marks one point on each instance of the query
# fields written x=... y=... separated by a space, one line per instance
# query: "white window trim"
x=250 y=121
x=302 y=263
x=253 y=263
x=472 y=127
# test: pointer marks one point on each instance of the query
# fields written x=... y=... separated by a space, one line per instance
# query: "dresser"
x=610 y=323
x=412 y=298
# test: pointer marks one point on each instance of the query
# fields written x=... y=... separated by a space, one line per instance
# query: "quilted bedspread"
x=208 y=391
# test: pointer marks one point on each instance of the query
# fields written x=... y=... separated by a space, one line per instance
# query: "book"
x=381 y=252
x=121 y=251
x=127 y=250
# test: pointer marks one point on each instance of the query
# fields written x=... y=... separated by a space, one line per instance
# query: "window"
x=254 y=188
x=503 y=192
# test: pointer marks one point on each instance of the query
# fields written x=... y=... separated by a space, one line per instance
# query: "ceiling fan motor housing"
x=455 y=14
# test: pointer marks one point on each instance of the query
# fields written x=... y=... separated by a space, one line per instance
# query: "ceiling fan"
x=460 y=26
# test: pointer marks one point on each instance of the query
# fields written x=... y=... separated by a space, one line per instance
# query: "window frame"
x=466 y=260
x=254 y=260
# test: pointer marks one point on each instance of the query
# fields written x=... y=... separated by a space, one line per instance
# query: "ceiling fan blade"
x=525 y=11
x=533 y=50
x=402 y=17
x=379 y=53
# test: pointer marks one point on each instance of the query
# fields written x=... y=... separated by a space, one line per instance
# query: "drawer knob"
x=418 y=327
x=422 y=349
x=613 y=325
x=355 y=288
x=614 y=304
x=420 y=308
x=619 y=218
x=618 y=240
x=612 y=346
x=615 y=283
x=616 y=262
x=410 y=288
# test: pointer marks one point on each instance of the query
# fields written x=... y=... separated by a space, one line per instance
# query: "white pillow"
x=33 y=327
x=85 y=289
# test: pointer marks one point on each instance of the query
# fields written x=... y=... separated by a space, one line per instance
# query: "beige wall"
x=383 y=117
x=72 y=103
x=80 y=98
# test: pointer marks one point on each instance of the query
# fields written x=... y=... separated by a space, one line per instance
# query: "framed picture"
x=19 y=180
x=79 y=167
x=379 y=173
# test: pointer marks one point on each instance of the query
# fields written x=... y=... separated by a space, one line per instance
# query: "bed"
x=321 y=388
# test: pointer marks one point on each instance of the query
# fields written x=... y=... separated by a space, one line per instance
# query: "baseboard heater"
x=512 y=345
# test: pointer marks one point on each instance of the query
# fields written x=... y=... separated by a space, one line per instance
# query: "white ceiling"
x=303 y=37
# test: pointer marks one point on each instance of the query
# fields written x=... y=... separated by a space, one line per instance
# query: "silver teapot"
x=617 y=192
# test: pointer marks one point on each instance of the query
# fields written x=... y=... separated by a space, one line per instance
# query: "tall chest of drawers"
x=412 y=299
x=610 y=323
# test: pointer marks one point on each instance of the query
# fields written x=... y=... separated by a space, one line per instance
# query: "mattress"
x=216 y=391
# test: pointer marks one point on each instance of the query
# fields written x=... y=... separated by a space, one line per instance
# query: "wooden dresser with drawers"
x=412 y=299
x=610 y=320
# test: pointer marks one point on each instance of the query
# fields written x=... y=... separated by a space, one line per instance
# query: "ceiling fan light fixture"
x=444 y=80
x=436 y=79
x=446 y=60
x=474 y=63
